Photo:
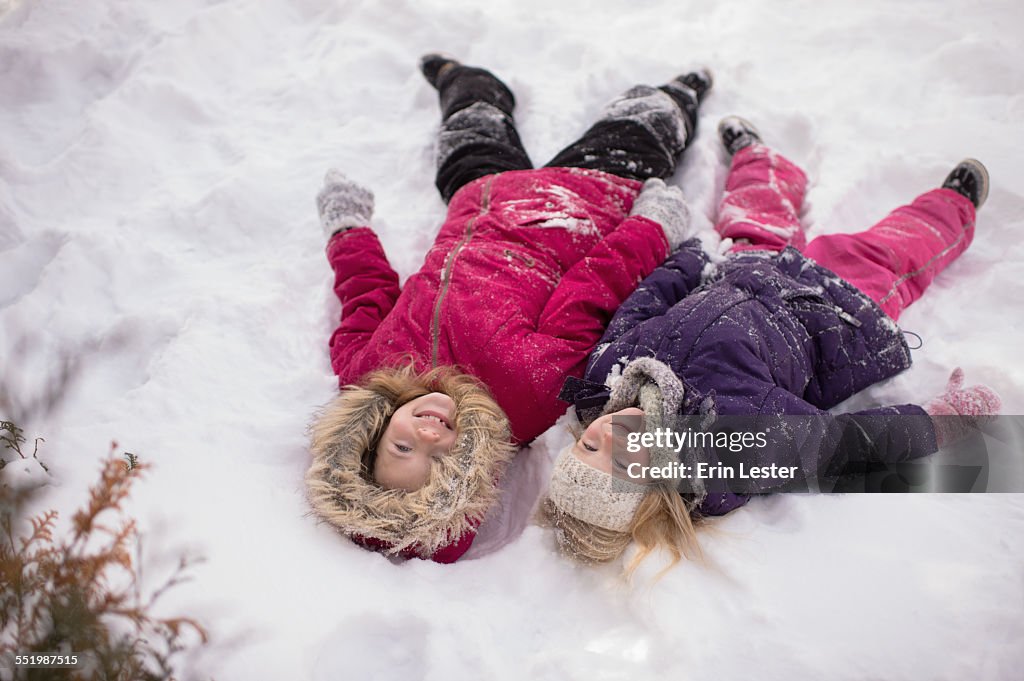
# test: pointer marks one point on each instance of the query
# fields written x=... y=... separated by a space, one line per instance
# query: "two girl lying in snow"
x=580 y=275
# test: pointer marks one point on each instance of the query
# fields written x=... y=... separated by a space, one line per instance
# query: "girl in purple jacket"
x=773 y=336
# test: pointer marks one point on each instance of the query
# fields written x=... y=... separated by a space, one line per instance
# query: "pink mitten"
x=964 y=409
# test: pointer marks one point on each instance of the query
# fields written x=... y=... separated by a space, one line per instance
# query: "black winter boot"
x=737 y=133
x=699 y=81
x=688 y=91
x=970 y=179
x=431 y=65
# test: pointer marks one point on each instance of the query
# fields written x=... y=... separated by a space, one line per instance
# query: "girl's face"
x=419 y=432
x=603 y=444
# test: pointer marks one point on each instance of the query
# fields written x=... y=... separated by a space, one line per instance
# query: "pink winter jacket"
x=519 y=285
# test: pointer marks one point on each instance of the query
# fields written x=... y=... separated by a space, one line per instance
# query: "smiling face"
x=419 y=432
x=603 y=443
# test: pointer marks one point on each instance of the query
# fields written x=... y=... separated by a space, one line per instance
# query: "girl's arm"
x=367 y=287
x=363 y=280
x=574 y=319
x=592 y=290
x=825 y=446
x=899 y=433
x=587 y=296
x=595 y=287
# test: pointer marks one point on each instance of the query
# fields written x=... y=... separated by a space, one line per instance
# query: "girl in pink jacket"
x=443 y=377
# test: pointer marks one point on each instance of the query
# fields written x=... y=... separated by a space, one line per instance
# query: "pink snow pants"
x=893 y=262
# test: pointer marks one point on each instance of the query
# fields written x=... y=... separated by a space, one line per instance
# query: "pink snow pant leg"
x=894 y=261
x=761 y=205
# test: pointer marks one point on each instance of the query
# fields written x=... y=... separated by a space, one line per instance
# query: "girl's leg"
x=478 y=136
x=894 y=261
x=760 y=208
x=641 y=134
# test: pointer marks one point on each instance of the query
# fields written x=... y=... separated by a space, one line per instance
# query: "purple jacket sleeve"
x=829 y=445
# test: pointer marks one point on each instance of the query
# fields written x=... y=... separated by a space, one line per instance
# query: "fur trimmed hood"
x=460 y=491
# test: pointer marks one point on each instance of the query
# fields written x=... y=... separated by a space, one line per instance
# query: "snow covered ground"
x=158 y=163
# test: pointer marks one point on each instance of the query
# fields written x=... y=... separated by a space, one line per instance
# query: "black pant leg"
x=478 y=136
x=639 y=136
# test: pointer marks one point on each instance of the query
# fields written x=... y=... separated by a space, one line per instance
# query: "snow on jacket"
x=760 y=333
x=518 y=287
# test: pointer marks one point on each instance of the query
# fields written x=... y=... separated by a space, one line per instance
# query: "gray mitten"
x=666 y=206
x=343 y=204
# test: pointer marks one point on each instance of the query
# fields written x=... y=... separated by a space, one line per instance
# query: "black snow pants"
x=639 y=135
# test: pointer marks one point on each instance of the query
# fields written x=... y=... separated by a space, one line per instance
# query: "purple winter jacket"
x=760 y=333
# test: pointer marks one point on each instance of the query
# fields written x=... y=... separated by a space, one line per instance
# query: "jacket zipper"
x=435 y=326
x=794 y=298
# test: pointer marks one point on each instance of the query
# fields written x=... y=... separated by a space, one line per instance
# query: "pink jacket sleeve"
x=367 y=287
x=576 y=315
x=593 y=289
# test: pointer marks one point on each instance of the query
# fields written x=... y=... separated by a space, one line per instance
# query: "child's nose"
x=611 y=438
x=429 y=435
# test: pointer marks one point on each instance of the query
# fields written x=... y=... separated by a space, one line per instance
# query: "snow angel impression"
x=779 y=327
x=443 y=377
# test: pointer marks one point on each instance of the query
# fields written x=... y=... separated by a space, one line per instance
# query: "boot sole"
x=983 y=173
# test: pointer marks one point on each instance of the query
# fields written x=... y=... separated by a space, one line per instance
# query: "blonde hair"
x=461 y=489
x=663 y=520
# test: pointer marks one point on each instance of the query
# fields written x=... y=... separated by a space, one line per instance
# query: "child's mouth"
x=436 y=417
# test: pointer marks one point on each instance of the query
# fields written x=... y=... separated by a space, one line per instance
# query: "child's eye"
x=403 y=449
x=588 y=447
x=618 y=464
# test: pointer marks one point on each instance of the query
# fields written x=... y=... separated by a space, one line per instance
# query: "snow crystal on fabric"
x=479 y=122
x=651 y=108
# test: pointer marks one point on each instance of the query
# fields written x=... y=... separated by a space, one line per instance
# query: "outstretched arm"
x=908 y=431
x=367 y=287
x=591 y=290
x=813 y=449
x=826 y=447
x=595 y=287
x=364 y=281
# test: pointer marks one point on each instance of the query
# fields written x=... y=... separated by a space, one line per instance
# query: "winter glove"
x=960 y=410
x=343 y=204
x=666 y=206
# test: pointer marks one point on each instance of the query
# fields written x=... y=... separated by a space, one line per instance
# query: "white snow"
x=158 y=168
